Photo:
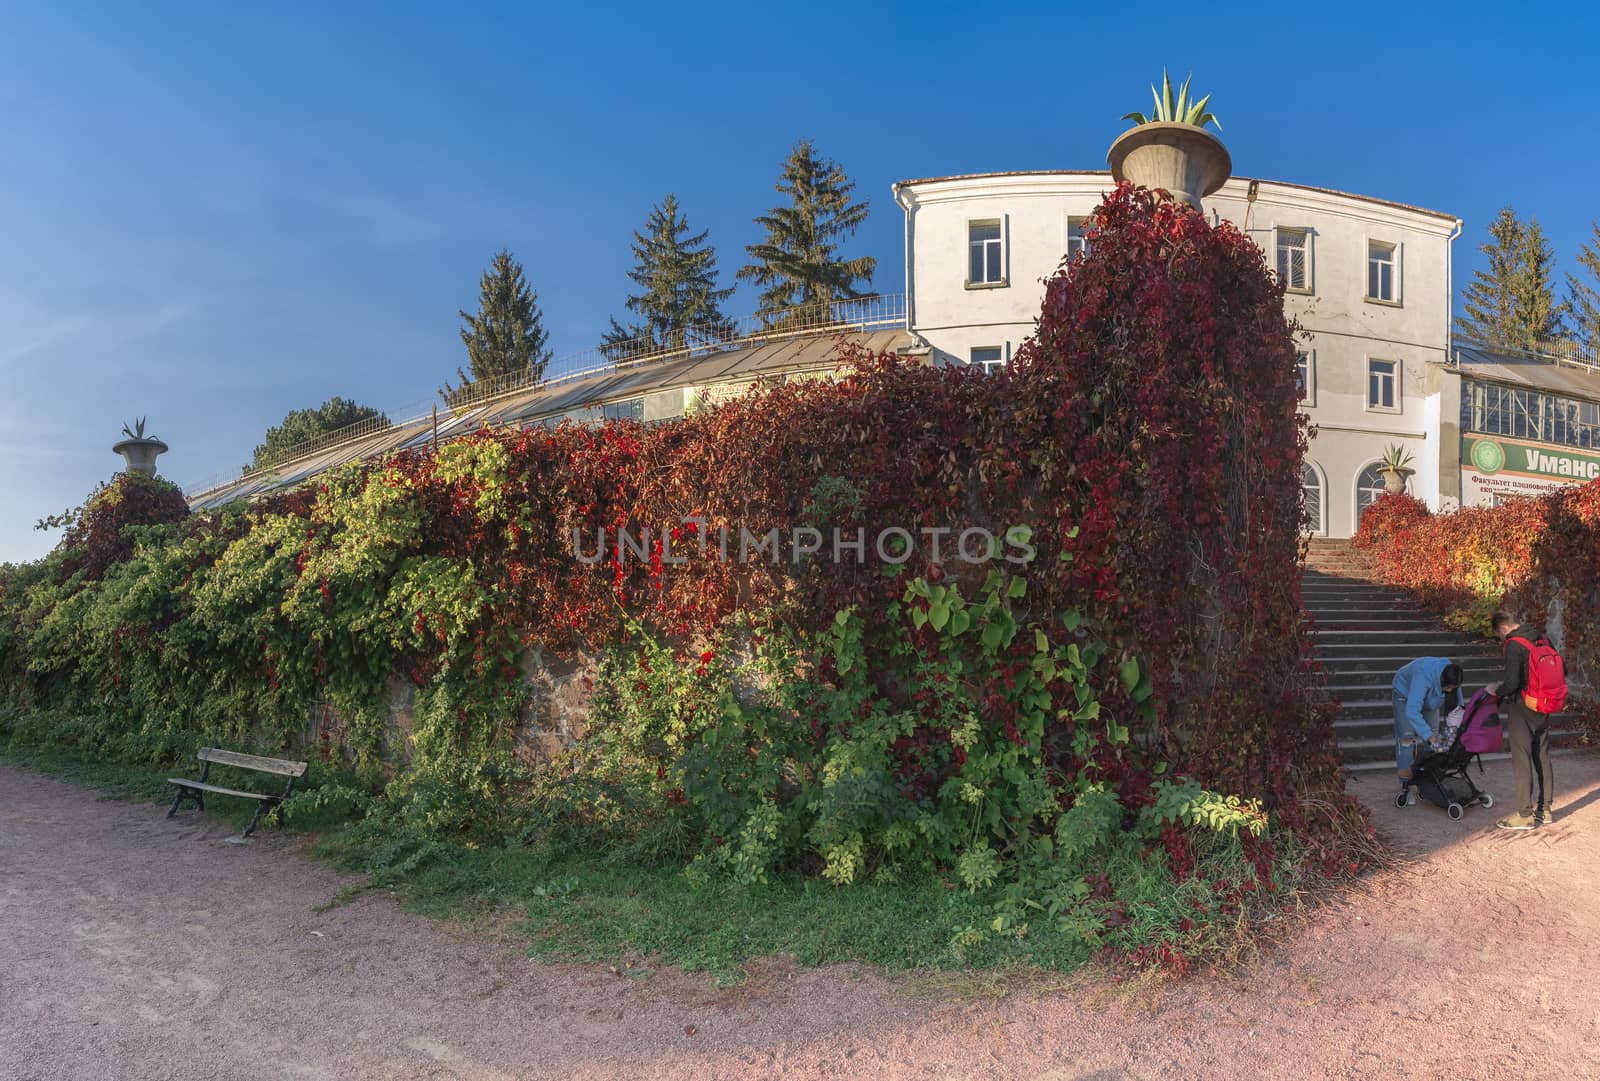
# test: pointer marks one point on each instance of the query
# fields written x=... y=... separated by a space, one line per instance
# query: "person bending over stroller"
x=1423 y=690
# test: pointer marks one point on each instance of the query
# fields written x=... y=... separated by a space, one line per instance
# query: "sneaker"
x=1411 y=797
x=1519 y=821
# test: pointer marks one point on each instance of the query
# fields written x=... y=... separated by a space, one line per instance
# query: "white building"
x=1369 y=280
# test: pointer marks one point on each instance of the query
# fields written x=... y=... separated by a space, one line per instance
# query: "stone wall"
x=559 y=701
x=560 y=692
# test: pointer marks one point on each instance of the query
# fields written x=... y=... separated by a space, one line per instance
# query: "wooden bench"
x=196 y=790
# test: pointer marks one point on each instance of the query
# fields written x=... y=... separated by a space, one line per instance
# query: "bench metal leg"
x=186 y=794
x=262 y=807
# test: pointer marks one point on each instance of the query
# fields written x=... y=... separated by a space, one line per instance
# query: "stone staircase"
x=1364 y=633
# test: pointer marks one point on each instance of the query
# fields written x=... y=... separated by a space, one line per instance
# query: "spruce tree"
x=506 y=339
x=679 y=302
x=798 y=265
x=1512 y=303
x=1583 y=298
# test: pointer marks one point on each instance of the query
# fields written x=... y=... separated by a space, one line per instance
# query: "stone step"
x=1399 y=643
x=1311 y=593
x=1367 y=709
x=1355 y=730
x=1376 y=606
x=1351 y=685
x=1403 y=640
x=1325 y=624
x=1357 y=666
x=1346 y=588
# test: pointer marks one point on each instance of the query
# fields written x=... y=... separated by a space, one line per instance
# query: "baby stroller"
x=1441 y=776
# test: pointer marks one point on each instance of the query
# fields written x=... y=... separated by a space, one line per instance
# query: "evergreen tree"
x=797 y=265
x=506 y=340
x=1583 y=298
x=1513 y=302
x=303 y=425
x=677 y=273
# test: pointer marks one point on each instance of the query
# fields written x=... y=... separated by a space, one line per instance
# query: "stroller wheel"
x=1485 y=800
x=1400 y=800
x=1454 y=810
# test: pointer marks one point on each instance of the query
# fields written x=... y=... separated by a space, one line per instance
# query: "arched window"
x=1369 y=486
x=1311 y=487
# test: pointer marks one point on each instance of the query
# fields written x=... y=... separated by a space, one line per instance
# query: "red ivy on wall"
x=1148 y=435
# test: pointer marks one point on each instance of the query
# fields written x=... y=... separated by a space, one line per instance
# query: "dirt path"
x=134 y=948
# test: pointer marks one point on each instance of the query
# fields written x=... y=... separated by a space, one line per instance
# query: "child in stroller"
x=1440 y=773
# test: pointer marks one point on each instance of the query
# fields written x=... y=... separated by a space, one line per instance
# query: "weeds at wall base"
x=573 y=904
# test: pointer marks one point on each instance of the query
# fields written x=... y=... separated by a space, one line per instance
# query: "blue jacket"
x=1417 y=684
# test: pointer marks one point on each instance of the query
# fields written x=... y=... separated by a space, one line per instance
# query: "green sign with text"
x=1537 y=460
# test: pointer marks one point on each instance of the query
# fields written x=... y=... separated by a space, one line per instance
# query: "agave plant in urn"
x=1170 y=149
x=1396 y=468
x=139 y=450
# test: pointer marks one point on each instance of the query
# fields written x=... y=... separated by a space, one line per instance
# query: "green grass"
x=575 y=906
x=118 y=780
x=572 y=904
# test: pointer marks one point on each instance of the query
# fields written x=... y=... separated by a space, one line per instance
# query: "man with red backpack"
x=1534 y=687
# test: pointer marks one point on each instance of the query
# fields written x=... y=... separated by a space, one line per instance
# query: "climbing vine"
x=1125 y=652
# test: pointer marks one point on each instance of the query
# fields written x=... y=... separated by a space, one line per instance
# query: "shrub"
x=1139 y=660
x=1539 y=556
x=1388 y=516
x=100 y=533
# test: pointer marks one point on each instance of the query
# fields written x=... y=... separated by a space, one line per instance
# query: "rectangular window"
x=1077 y=242
x=990 y=358
x=1382 y=272
x=1305 y=368
x=985 y=253
x=1382 y=375
x=1294 y=259
x=630 y=410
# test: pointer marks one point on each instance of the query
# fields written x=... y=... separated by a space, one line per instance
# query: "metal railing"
x=885 y=311
x=1561 y=352
x=880 y=312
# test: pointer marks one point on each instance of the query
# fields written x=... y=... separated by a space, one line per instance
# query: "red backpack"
x=1546 y=691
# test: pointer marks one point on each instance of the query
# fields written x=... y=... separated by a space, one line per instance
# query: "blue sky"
x=213 y=214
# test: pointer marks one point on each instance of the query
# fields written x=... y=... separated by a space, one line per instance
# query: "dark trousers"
x=1529 y=735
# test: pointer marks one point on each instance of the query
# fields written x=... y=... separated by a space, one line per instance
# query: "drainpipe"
x=1450 y=292
x=1450 y=358
x=911 y=303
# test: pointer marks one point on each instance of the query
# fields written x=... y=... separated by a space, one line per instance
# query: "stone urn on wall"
x=1170 y=149
x=1396 y=469
x=139 y=450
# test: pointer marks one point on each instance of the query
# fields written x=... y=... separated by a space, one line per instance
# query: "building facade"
x=1368 y=280
x=1517 y=424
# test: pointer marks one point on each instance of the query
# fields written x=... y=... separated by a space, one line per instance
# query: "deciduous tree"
x=303 y=425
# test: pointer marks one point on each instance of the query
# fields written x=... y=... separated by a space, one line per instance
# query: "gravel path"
x=132 y=947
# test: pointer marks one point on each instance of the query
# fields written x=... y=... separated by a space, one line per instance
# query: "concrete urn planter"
x=1187 y=161
x=1394 y=480
x=140 y=454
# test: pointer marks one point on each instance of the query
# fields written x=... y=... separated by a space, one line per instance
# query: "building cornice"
x=1277 y=193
